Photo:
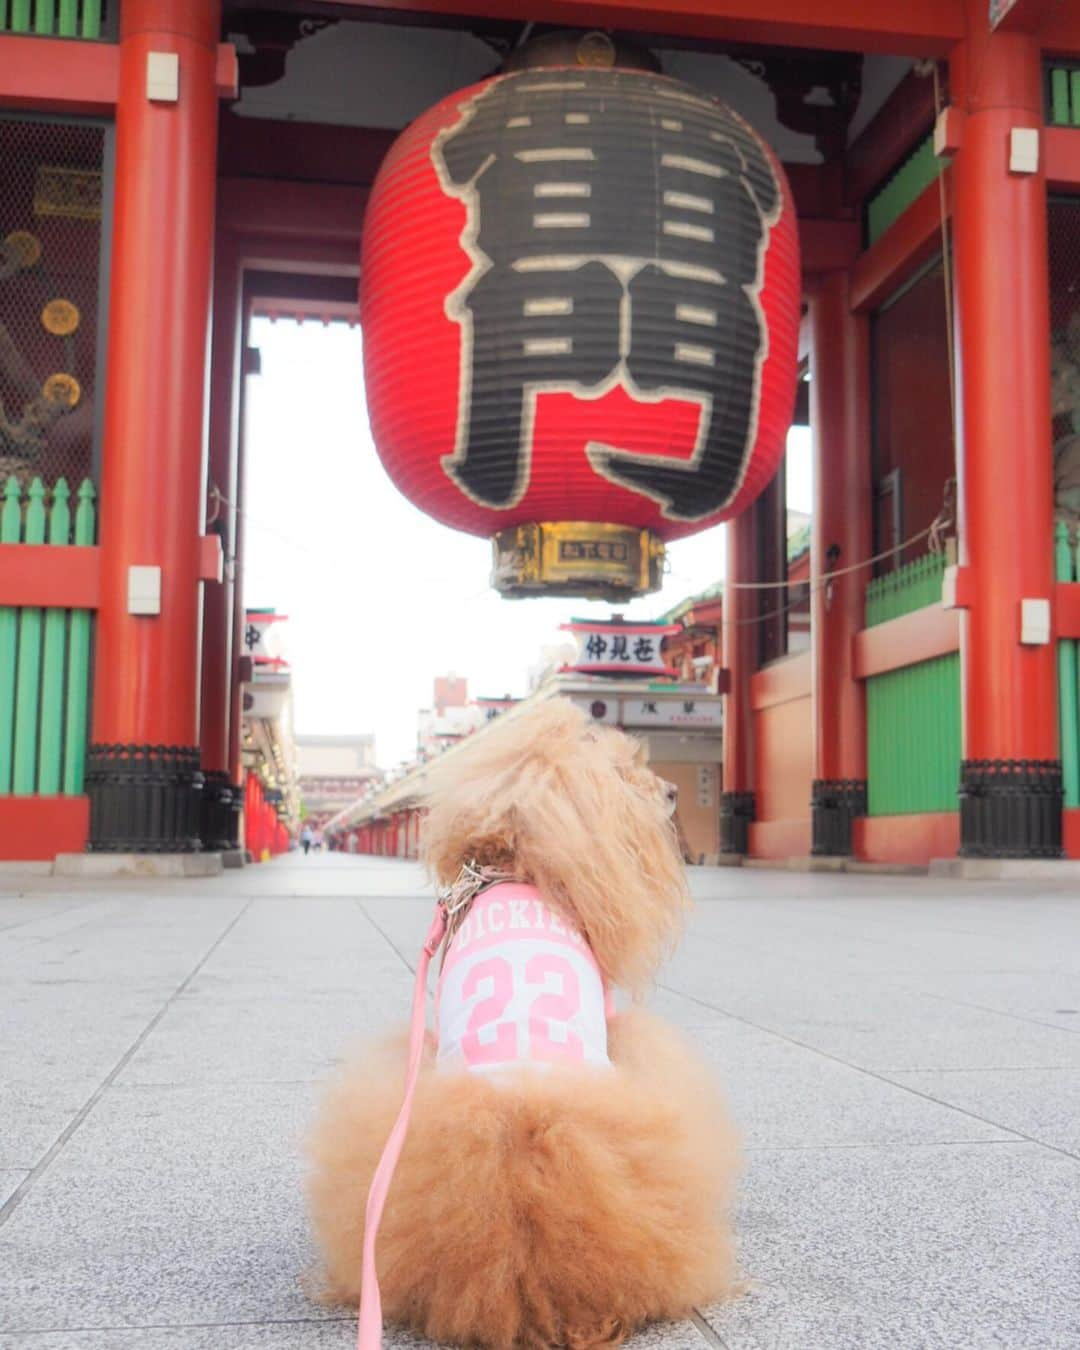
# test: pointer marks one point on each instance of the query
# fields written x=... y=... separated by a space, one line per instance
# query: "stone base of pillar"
x=1011 y=808
x=144 y=799
x=736 y=815
x=835 y=804
x=149 y=865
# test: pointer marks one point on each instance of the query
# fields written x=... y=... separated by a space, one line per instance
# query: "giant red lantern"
x=580 y=298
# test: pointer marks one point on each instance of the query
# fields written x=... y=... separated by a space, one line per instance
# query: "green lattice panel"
x=913 y=714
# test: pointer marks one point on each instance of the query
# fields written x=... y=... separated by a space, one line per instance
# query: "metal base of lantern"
x=144 y=798
x=579 y=559
x=1011 y=808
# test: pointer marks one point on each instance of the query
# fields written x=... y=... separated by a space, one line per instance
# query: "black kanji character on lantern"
x=596 y=646
x=251 y=635
x=620 y=650
x=688 y=705
x=643 y=649
x=649 y=708
x=616 y=224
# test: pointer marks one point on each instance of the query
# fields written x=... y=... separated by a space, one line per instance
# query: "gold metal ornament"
x=596 y=50
x=71 y=194
x=61 y=317
x=23 y=247
x=62 y=390
x=593 y=560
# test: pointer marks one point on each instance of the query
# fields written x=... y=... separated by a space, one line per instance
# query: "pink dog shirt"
x=519 y=986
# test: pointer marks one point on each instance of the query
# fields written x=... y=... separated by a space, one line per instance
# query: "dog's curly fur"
x=561 y=1208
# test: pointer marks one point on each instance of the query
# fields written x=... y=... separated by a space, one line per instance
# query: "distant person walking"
x=305 y=838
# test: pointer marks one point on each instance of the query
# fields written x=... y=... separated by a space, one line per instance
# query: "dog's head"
x=573 y=808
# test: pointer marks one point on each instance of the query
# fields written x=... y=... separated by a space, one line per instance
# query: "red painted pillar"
x=738 y=647
x=1010 y=796
x=146 y=694
x=840 y=536
x=249 y=813
x=219 y=816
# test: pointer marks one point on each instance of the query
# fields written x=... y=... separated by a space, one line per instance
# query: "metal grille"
x=1064 y=250
x=913 y=455
x=50 y=264
x=1064 y=241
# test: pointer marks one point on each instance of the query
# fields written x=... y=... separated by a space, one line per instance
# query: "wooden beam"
x=1070 y=829
x=816 y=190
x=50 y=575
x=828 y=245
x=896 y=27
x=903 y=121
x=319 y=257
x=59 y=75
x=1062 y=148
x=1029 y=16
x=323 y=312
x=270 y=208
x=1060 y=34
x=781 y=682
x=898 y=643
x=311 y=152
x=1067 y=610
x=773 y=840
x=908 y=243
x=907 y=841
x=36 y=829
x=1023 y=16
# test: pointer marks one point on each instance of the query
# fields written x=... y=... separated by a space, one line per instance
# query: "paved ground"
x=903 y=1057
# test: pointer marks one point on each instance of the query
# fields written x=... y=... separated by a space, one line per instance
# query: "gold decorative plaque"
x=60 y=317
x=62 y=389
x=23 y=247
x=596 y=50
x=74 y=194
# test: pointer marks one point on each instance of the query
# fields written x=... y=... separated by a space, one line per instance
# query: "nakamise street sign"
x=619 y=648
x=687 y=710
x=679 y=709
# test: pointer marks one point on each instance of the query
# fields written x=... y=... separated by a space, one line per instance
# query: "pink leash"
x=369 y=1322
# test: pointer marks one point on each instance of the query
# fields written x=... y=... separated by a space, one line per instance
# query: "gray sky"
x=381 y=598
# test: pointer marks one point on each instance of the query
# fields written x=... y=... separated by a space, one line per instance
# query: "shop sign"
x=619 y=648
x=263 y=642
x=687 y=711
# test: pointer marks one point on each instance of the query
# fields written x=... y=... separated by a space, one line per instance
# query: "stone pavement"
x=903 y=1057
